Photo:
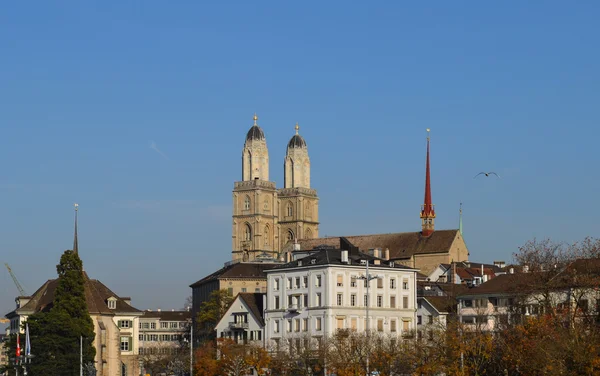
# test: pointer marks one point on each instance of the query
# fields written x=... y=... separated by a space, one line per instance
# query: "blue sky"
x=86 y=87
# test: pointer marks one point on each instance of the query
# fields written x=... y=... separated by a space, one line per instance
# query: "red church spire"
x=427 y=210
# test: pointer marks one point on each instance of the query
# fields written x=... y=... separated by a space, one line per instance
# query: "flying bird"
x=487 y=174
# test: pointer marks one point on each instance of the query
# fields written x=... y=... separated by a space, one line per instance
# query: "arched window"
x=247 y=203
x=247 y=232
x=267 y=235
x=290 y=236
x=290 y=209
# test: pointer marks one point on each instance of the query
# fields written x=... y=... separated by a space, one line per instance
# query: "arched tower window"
x=247 y=232
x=290 y=236
x=267 y=235
x=247 y=203
x=290 y=209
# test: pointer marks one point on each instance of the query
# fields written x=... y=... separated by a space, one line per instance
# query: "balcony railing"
x=238 y=325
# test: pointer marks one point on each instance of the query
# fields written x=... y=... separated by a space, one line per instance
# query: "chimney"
x=482 y=271
x=158 y=310
x=386 y=254
x=296 y=245
x=344 y=257
x=485 y=278
x=500 y=264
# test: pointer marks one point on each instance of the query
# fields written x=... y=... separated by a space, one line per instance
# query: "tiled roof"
x=519 y=283
x=401 y=245
x=254 y=301
x=238 y=270
x=168 y=315
x=96 y=294
x=334 y=257
x=443 y=304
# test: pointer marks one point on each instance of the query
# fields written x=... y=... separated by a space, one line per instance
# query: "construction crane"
x=14 y=277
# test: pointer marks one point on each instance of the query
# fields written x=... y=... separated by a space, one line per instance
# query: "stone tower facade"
x=266 y=218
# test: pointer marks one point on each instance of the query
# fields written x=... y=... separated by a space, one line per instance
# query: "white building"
x=324 y=292
x=244 y=321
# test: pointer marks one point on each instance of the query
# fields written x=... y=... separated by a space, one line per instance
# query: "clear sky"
x=86 y=87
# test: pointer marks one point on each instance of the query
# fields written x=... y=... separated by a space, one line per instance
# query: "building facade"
x=266 y=218
x=319 y=294
x=244 y=321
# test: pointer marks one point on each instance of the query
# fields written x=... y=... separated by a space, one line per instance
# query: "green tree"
x=56 y=332
x=211 y=311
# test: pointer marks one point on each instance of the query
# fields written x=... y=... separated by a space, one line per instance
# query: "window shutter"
x=131 y=323
x=119 y=323
x=130 y=343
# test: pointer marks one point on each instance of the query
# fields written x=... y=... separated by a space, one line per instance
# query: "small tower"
x=298 y=203
x=255 y=155
x=297 y=164
x=427 y=210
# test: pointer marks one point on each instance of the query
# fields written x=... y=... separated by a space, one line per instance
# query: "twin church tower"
x=266 y=218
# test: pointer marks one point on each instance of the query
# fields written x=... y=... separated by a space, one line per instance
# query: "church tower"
x=427 y=210
x=298 y=203
x=255 y=231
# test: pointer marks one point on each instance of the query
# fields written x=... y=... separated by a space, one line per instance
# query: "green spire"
x=460 y=219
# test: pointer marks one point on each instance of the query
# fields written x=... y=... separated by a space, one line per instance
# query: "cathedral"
x=265 y=217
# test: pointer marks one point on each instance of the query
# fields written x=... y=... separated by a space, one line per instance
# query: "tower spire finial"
x=427 y=210
x=255 y=118
x=297 y=127
x=460 y=226
x=75 y=242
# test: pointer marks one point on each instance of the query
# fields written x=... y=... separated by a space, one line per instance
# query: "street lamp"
x=368 y=278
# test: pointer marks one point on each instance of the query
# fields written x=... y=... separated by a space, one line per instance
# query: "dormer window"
x=111 y=302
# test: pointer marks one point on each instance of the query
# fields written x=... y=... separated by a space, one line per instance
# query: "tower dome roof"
x=297 y=141
x=255 y=133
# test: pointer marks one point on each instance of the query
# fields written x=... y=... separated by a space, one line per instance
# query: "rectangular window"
x=244 y=289
x=340 y=280
x=318 y=324
x=276 y=326
x=304 y=281
x=230 y=291
x=318 y=281
x=392 y=325
x=276 y=284
x=125 y=346
x=290 y=301
x=353 y=282
x=380 y=325
x=366 y=300
x=353 y=323
x=405 y=326
x=340 y=299
x=353 y=300
x=392 y=283
x=125 y=324
x=379 y=283
x=318 y=300
x=164 y=325
x=405 y=302
x=289 y=324
x=430 y=318
x=379 y=301
x=305 y=325
x=173 y=325
x=306 y=300
x=405 y=284
x=297 y=282
x=297 y=325
x=145 y=325
x=289 y=283
x=340 y=323
x=419 y=320
x=141 y=337
x=276 y=302
x=365 y=283
x=392 y=302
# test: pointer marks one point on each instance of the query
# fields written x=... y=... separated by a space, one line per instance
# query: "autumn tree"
x=205 y=360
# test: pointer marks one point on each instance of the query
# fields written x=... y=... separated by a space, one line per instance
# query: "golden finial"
x=297 y=127
x=255 y=118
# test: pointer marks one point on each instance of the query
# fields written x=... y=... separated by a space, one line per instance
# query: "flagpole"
x=80 y=355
